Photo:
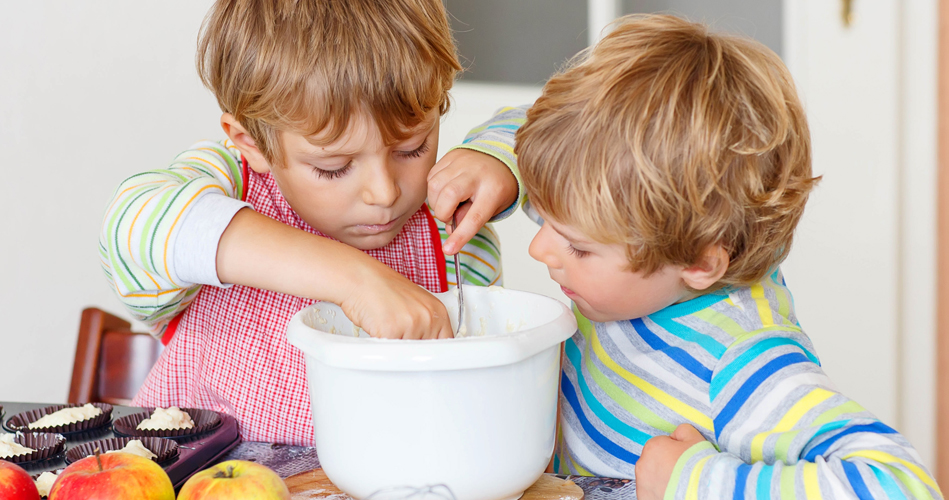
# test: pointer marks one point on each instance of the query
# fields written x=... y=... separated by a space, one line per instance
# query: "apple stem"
x=228 y=474
x=98 y=460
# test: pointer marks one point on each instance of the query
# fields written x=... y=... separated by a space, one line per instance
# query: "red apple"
x=111 y=476
x=235 y=480
x=15 y=483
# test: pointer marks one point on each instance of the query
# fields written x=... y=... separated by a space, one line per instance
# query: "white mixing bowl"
x=477 y=414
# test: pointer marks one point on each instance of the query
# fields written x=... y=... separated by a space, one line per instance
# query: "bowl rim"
x=343 y=351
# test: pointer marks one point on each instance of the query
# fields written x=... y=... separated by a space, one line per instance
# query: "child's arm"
x=260 y=252
x=141 y=231
x=782 y=431
x=482 y=169
x=156 y=258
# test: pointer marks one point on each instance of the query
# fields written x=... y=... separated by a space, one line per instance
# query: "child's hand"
x=388 y=305
x=462 y=175
x=659 y=457
x=260 y=252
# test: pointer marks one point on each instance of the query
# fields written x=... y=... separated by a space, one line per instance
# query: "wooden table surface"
x=314 y=484
x=297 y=464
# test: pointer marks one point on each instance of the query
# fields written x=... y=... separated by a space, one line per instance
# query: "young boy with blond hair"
x=332 y=115
x=670 y=167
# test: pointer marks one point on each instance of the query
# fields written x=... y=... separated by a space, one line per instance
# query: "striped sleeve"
x=496 y=138
x=783 y=431
x=479 y=259
x=139 y=230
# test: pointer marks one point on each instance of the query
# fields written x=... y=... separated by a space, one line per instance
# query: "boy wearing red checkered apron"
x=332 y=112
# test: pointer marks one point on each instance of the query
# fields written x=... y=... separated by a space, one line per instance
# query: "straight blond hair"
x=307 y=66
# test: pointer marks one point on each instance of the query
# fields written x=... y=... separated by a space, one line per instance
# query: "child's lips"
x=568 y=292
x=371 y=229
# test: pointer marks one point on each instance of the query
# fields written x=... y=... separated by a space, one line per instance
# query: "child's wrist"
x=352 y=273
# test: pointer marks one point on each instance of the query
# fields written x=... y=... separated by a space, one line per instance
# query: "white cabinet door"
x=863 y=263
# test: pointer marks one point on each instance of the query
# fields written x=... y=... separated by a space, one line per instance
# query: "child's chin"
x=371 y=242
x=594 y=315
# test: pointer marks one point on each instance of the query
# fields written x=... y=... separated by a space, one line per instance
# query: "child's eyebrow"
x=420 y=129
x=570 y=238
x=324 y=154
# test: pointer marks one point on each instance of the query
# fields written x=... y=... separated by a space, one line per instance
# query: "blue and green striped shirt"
x=736 y=365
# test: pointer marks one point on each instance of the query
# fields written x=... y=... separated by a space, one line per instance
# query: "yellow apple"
x=235 y=480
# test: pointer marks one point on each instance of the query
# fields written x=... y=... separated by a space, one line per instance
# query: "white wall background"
x=94 y=91
x=90 y=92
x=863 y=265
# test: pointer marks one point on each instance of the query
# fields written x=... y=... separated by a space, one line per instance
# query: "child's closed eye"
x=332 y=174
x=415 y=153
x=576 y=252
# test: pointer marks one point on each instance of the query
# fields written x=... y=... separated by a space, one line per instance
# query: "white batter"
x=10 y=448
x=67 y=416
x=166 y=419
x=135 y=447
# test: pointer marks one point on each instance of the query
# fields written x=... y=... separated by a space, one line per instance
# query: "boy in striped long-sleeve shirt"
x=670 y=167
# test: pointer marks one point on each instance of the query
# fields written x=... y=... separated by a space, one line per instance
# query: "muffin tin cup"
x=21 y=421
x=166 y=449
x=204 y=421
x=46 y=445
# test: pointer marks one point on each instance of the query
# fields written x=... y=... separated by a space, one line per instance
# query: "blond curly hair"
x=669 y=139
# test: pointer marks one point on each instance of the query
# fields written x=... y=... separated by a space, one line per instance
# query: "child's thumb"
x=685 y=432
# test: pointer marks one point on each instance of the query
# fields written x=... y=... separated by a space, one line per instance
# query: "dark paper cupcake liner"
x=21 y=421
x=166 y=449
x=46 y=444
x=204 y=421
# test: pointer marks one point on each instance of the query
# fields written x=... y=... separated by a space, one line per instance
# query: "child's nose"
x=542 y=250
x=381 y=187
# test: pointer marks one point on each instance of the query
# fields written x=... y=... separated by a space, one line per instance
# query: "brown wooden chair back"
x=111 y=361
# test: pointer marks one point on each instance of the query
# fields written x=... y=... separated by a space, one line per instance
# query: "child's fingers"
x=442 y=165
x=445 y=332
x=476 y=216
x=438 y=179
x=685 y=432
x=452 y=194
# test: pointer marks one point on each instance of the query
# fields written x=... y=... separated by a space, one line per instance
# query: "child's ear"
x=711 y=266
x=245 y=143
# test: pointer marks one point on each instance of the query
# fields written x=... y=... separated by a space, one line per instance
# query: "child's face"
x=358 y=189
x=596 y=276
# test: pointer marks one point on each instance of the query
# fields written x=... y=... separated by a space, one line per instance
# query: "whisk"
x=429 y=492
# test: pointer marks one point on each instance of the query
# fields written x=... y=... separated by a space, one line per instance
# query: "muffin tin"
x=203 y=446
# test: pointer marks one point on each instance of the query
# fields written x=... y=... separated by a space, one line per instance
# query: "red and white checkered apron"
x=229 y=351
